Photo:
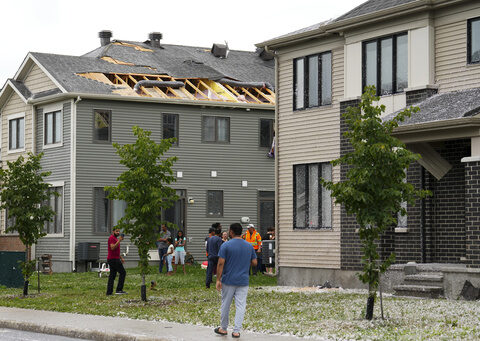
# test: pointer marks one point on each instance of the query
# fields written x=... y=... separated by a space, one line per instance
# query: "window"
x=107 y=212
x=312 y=81
x=56 y=204
x=16 y=133
x=473 y=42
x=9 y=222
x=53 y=127
x=216 y=129
x=385 y=64
x=170 y=126
x=266 y=133
x=312 y=204
x=102 y=125
x=214 y=203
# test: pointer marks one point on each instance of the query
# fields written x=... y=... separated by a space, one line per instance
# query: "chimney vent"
x=155 y=38
x=220 y=50
x=105 y=36
x=264 y=54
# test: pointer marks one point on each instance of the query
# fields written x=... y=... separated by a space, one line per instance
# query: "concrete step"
x=426 y=291
x=425 y=279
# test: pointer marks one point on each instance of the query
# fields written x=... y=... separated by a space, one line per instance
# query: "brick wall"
x=472 y=213
x=351 y=251
x=417 y=96
x=11 y=243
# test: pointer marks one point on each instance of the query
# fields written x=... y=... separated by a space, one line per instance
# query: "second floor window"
x=473 y=42
x=266 y=133
x=216 y=129
x=312 y=203
x=170 y=126
x=102 y=125
x=385 y=64
x=53 y=127
x=16 y=133
x=312 y=81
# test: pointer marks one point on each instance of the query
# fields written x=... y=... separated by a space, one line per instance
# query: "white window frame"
x=14 y=117
x=59 y=184
x=48 y=110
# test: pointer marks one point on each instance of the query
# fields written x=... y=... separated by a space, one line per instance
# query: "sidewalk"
x=92 y=327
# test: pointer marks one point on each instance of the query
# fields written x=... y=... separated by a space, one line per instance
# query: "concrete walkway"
x=93 y=327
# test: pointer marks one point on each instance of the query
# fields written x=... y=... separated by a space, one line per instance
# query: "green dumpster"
x=10 y=269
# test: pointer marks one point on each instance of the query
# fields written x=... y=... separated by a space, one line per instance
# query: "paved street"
x=20 y=335
x=93 y=327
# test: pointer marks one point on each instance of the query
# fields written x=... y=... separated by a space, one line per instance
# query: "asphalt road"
x=20 y=335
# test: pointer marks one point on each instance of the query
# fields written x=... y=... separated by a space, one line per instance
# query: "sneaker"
x=121 y=292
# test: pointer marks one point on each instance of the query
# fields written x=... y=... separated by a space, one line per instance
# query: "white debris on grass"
x=315 y=290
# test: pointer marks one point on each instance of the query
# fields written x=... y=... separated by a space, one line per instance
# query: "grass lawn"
x=336 y=314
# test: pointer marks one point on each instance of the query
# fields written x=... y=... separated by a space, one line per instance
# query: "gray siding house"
x=219 y=104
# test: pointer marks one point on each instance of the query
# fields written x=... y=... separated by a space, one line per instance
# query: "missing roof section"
x=192 y=89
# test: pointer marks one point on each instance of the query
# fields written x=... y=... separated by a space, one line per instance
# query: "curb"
x=75 y=333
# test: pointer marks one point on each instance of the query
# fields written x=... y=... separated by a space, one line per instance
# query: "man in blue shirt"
x=235 y=258
x=213 y=247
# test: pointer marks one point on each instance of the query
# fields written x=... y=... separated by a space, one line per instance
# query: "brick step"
x=426 y=291
x=424 y=279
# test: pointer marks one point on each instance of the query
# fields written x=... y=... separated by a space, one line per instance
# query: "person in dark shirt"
x=213 y=246
x=115 y=262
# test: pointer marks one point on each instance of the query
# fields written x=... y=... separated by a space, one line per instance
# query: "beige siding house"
x=416 y=52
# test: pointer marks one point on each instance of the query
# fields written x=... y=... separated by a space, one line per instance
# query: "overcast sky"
x=71 y=27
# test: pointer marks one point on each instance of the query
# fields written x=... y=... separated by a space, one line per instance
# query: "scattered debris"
x=470 y=292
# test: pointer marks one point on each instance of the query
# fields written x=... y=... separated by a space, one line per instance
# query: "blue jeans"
x=212 y=264
x=240 y=294
x=169 y=262
x=161 y=254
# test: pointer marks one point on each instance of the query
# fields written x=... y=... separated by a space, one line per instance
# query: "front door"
x=176 y=213
x=266 y=211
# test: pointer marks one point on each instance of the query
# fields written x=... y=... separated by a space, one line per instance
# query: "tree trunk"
x=370 y=303
x=25 y=288
x=143 y=289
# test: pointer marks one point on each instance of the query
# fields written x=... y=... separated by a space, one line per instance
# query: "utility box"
x=11 y=273
x=88 y=252
x=268 y=252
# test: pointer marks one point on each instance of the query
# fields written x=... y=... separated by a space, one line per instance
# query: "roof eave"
x=4 y=95
x=274 y=44
x=61 y=96
x=438 y=125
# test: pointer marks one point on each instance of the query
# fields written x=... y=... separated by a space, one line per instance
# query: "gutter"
x=73 y=178
x=70 y=95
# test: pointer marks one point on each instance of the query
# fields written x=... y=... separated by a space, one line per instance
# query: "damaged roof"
x=446 y=106
x=144 y=69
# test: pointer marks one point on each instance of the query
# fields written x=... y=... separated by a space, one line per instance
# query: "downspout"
x=277 y=144
x=33 y=248
x=422 y=218
x=73 y=178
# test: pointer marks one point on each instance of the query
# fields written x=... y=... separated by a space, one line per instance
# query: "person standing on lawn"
x=235 y=258
x=169 y=256
x=115 y=262
x=254 y=238
x=162 y=245
x=213 y=247
x=180 y=242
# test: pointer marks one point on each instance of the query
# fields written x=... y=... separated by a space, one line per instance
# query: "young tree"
x=143 y=186
x=374 y=187
x=23 y=196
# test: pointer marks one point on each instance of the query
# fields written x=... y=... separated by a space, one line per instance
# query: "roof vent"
x=220 y=50
x=105 y=36
x=155 y=38
x=264 y=54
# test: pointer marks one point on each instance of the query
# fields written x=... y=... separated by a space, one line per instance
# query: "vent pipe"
x=155 y=38
x=105 y=36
